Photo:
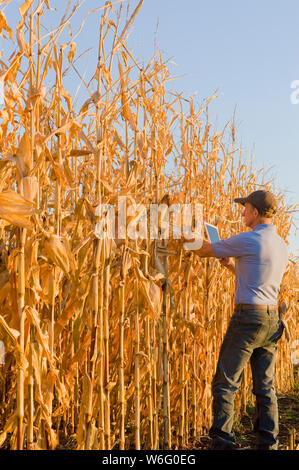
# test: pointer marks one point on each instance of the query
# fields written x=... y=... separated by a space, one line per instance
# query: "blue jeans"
x=251 y=335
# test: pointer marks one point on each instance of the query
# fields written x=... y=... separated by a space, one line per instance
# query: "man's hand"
x=228 y=263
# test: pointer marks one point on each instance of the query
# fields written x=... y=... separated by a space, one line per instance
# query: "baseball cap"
x=262 y=200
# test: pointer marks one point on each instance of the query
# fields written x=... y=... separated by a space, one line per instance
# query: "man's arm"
x=206 y=251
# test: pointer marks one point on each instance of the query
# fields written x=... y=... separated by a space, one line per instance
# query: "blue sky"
x=247 y=50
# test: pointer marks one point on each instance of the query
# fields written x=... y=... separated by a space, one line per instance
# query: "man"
x=258 y=258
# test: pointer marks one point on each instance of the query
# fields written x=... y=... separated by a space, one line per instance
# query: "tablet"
x=212 y=232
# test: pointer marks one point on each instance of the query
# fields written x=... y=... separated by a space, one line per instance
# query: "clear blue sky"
x=247 y=50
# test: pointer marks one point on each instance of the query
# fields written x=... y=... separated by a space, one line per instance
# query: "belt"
x=254 y=307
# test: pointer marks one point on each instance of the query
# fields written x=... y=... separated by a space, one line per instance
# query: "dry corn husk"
x=29 y=187
x=16 y=209
x=57 y=252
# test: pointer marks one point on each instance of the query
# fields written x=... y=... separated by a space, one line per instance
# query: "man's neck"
x=261 y=221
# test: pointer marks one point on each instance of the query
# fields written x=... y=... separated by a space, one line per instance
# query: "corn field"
x=112 y=341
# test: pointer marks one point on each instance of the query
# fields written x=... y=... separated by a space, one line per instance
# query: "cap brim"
x=241 y=200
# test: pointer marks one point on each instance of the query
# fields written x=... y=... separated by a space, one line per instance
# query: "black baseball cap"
x=263 y=201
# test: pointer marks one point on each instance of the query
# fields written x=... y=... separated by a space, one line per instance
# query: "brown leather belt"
x=255 y=307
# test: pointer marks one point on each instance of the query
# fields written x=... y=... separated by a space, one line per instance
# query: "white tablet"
x=212 y=232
